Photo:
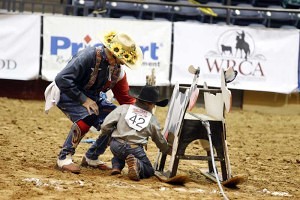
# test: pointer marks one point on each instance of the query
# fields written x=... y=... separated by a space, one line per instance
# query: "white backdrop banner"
x=65 y=35
x=20 y=46
x=266 y=59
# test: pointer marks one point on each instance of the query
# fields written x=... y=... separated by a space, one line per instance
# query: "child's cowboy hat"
x=150 y=94
x=123 y=48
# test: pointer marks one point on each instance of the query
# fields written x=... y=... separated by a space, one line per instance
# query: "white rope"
x=207 y=126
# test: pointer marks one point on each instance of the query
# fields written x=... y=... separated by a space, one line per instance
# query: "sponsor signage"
x=266 y=59
x=65 y=36
x=20 y=47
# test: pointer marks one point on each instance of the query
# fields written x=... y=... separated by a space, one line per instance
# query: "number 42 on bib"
x=137 y=118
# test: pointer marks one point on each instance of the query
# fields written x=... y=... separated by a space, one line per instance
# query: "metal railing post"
x=228 y=10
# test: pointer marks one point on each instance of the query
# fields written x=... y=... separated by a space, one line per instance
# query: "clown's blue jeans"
x=75 y=112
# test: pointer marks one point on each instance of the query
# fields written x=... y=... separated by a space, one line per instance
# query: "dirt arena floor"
x=263 y=146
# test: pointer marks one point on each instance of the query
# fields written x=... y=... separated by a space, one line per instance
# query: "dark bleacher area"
x=263 y=13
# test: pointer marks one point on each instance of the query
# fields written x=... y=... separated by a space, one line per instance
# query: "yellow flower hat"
x=124 y=48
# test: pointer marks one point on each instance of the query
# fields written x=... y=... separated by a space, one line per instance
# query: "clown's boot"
x=64 y=161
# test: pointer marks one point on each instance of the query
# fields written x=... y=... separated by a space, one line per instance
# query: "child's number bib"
x=137 y=118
